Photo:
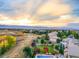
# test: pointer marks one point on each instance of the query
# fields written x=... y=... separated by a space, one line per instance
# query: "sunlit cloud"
x=63 y=20
x=54 y=7
x=37 y=13
x=18 y=22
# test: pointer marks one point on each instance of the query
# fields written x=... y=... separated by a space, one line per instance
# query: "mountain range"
x=37 y=27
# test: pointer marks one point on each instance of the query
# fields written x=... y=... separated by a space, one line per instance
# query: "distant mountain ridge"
x=36 y=27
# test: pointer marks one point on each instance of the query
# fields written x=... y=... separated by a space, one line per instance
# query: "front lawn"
x=40 y=49
x=50 y=48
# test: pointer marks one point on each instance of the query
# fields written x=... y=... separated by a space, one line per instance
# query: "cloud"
x=54 y=7
x=26 y=7
x=33 y=8
x=60 y=21
x=63 y=20
x=36 y=12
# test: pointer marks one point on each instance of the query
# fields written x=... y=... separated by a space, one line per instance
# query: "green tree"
x=27 y=51
x=76 y=36
x=46 y=36
x=61 y=48
x=42 y=41
x=58 y=40
x=59 y=34
x=2 y=50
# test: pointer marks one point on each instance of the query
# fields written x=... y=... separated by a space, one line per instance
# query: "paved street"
x=16 y=52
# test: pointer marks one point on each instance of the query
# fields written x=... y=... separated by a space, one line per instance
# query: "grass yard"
x=41 y=47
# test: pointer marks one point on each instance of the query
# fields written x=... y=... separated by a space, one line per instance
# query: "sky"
x=55 y=13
